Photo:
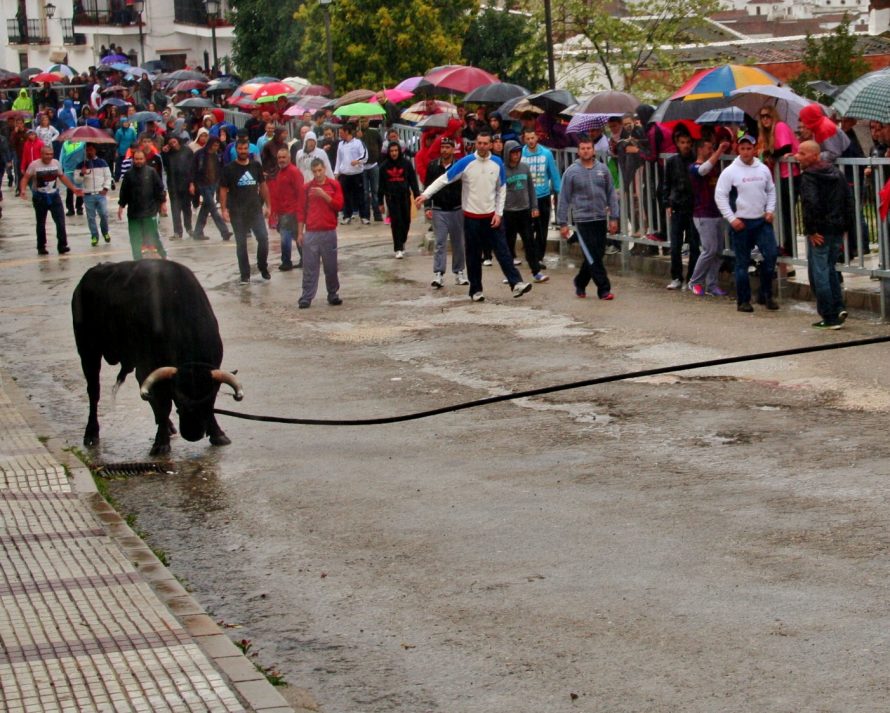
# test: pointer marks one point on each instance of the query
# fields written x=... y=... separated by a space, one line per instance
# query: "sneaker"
x=365 y=221
x=386 y=220
x=299 y=264
x=460 y=278
x=825 y=324
x=343 y=221
x=580 y=294
x=771 y=304
x=303 y=305
x=80 y=212
x=517 y=261
x=42 y=251
x=607 y=296
x=334 y=300
x=478 y=297
x=486 y=263
x=176 y=236
x=612 y=250
x=505 y=281
x=540 y=278
x=842 y=316
x=745 y=307
x=201 y=236
x=94 y=240
x=438 y=280
x=520 y=288
x=285 y=267
x=64 y=249
x=399 y=254
x=675 y=284
x=244 y=281
x=264 y=272
x=227 y=236
x=698 y=290
x=716 y=292
x=69 y=213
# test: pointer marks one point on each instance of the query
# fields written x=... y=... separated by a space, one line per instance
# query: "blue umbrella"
x=140 y=117
x=114 y=101
x=728 y=115
x=110 y=59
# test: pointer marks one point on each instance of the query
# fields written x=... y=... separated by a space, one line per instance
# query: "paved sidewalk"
x=82 y=627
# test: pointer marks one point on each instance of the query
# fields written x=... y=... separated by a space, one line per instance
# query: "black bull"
x=154 y=318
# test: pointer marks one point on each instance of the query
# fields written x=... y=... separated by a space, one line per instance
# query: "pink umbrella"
x=457 y=78
x=410 y=84
x=304 y=104
x=315 y=90
x=394 y=95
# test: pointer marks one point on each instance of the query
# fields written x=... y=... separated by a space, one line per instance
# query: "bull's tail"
x=121 y=376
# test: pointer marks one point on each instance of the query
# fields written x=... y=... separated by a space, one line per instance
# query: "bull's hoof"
x=220 y=439
x=90 y=439
x=160 y=449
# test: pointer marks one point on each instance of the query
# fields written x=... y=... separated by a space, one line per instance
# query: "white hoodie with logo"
x=755 y=191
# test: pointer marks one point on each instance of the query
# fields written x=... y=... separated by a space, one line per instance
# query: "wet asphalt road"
x=710 y=541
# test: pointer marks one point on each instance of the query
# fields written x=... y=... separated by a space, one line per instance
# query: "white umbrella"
x=297 y=83
x=752 y=98
x=62 y=69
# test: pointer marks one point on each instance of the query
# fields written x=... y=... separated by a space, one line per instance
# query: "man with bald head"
x=827 y=204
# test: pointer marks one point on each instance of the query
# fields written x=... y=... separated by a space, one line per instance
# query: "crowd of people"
x=482 y=180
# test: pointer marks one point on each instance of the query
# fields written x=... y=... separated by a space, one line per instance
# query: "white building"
x=43 y=32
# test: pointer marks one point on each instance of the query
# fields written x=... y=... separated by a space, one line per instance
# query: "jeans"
x=541 y=226
x=448 y=223
x=760 y=233
x=96 y=203
x=371 y=184
x=707 y=267
x=243 y=225
x=353 y=186
x=49 y=203
x=592 y=241
x=681 y=225
x=208 y=205
x=824 y=278
x=180 y=212
x=476 y=232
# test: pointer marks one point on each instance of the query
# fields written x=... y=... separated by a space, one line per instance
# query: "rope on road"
x=552 y=389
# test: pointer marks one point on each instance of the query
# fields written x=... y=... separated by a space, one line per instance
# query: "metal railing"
x=27 y=32
x=69 y=36
x=104 y=12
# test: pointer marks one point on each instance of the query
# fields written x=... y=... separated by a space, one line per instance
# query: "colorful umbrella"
x=862 y=99
x=394 y=95
x=360 y=109
x=420 y=109
x=88 y=134
x=495 y=93
x=409 y=85
x=457 y=78
x=582 y=123
x=62 y=69
x=751 y=99
x=268 y=93
x=50 y=77
x=608 y=102
x=721 y=81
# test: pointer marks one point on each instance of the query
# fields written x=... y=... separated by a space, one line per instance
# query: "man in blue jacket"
x=545 y=173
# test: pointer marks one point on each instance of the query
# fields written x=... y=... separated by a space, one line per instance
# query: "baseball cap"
x=747 y=137
x=447 y=141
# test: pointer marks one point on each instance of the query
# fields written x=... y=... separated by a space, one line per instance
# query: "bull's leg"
x=218 y=437
x=161 y=404
x=92 y=364
x=170 y=427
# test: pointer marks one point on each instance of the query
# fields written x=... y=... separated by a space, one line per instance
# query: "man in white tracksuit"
x=482 y=198
x=746 y=198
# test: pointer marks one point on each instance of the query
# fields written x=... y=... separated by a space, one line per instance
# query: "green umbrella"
x=360 y=109
x=866 y=98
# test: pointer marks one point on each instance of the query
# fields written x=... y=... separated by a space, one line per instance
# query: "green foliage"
x=378 y=43
x=621 y=47
x=267 y=40
x=508 y=45
x=832 y=58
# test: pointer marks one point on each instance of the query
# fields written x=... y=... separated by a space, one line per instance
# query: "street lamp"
x=212 y=7
x=50 y=10
x=138 y=7
x=326 y=4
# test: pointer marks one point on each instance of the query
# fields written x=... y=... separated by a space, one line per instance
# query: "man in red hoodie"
x=287 y=198
x=324 y=198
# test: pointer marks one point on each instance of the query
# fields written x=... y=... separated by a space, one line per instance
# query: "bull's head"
x=194 y=388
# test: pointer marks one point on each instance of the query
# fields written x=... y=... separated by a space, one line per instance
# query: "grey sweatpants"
x=449 y=223
x=319 y=247
x=708 y=265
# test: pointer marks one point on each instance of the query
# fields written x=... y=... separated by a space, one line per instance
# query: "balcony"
x=193 y=12
x=69 y=36
x=113 y=13
x=27 y=32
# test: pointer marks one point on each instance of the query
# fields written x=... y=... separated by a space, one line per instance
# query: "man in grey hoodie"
x=588 y=190
x=520 y=208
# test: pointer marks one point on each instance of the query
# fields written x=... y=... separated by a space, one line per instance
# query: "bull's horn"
x=225 y=377
x=159 y=374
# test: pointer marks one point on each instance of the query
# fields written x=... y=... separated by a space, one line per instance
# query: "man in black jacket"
x=827 y=203
x=444 y=209
x=178 y=167
x=677 y=194
x=143 y=195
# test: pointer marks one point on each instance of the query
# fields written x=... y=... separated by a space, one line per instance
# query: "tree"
x=508 y=45
x=623 y=40
x=832 y=58
x=256 y=50
x=378 y=43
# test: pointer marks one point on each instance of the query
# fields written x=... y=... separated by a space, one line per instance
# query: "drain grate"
x=126 y=470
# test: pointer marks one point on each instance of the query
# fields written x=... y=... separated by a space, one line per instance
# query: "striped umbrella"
x=721 y=81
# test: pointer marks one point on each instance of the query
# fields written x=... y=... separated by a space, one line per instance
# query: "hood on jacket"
x=23 y=93
x=511 y=146
x=644 y=112
x=815 y=120
x=388 y=157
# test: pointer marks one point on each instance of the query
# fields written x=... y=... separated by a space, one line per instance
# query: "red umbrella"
x=88 y=134
x=457 y=78
x=189 y=84
x=50 y=77
x=271 y=91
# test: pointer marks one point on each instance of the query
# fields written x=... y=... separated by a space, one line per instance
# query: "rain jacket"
x=397 y=177
x=23 y=102
x=72 y=154
x=125 y=137
x=68 y=114
x=826 y=199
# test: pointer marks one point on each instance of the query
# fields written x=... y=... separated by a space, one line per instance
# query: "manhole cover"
x=124 y=470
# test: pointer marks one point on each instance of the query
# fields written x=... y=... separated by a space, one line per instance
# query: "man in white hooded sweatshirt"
x=311 y=151
x=746 y=198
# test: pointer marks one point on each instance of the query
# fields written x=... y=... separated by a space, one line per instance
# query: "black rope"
x=552 y=389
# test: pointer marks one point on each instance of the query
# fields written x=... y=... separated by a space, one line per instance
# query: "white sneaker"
x=345 y=221
x=505 y=281
x=517 y=261
x=460 y=278
x=486 y=263
x=365 y=221
x=438 y=282
x=520 y=288
x=478 y=297
x=612 y=250
x=399 y=254
x=675 y=285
